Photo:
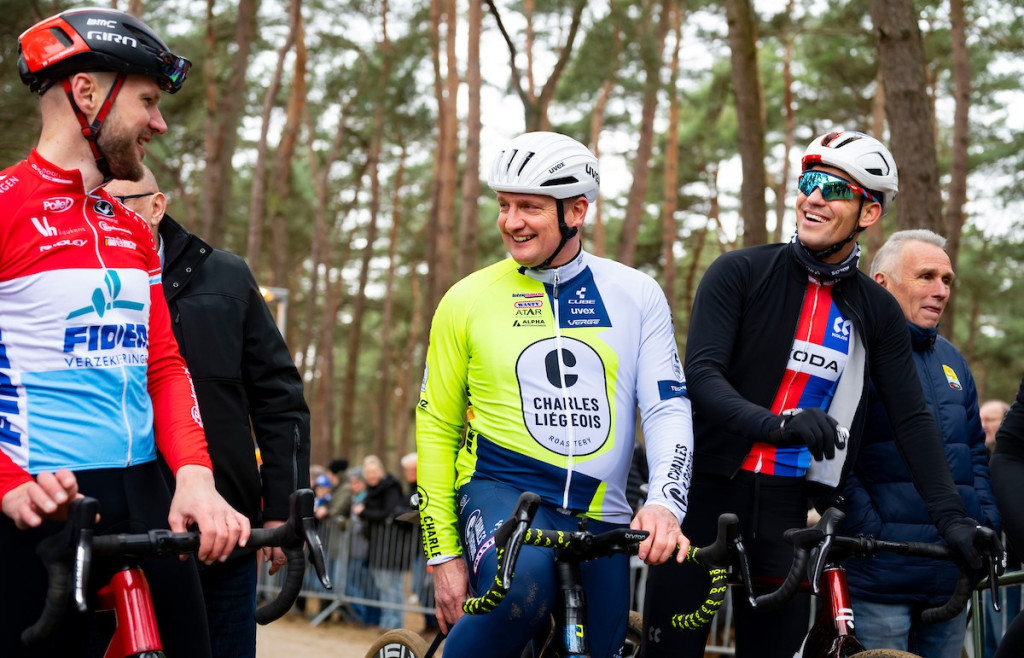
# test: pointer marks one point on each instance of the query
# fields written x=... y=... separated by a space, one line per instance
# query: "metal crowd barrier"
x=373 y=568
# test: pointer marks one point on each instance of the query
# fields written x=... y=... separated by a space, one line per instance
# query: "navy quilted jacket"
x=880 y=495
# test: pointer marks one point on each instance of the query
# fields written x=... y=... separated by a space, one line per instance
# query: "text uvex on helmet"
x=863 y=157
x=546 y=163
x=96 y=39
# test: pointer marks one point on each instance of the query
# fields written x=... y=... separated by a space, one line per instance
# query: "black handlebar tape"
x=952 y=607
x=775 y=599
x=289 y=590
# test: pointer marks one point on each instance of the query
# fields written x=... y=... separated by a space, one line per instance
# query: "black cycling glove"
x=962 y=537
x=811 y=427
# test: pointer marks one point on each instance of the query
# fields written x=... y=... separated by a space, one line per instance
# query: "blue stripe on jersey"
x=580 y=303
x=89 y=428
x=670 y=389
x=528 y=474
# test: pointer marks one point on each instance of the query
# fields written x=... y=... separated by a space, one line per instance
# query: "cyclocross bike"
x=68 y=557
x=818 y=554
x=567 y=635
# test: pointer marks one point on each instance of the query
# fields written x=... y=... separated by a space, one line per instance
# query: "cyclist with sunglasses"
x=91 y=382
x=782 y=339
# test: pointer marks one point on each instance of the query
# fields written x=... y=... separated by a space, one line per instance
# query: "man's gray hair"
x=888 y=257
x=409 y=460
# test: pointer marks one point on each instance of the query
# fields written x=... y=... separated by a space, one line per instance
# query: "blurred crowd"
x=369 y=522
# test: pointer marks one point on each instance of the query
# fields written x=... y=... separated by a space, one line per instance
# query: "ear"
x=871 y=213
x=881 y=279
x=159 y=207
x=87 y=92
x=577 y=211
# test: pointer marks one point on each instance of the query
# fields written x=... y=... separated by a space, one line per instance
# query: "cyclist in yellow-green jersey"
x=536 y=370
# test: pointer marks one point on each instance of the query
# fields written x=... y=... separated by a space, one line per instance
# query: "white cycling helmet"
x=546 y=163
x=863 y=157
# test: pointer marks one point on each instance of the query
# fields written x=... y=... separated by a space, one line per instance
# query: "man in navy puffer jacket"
x=889 y=591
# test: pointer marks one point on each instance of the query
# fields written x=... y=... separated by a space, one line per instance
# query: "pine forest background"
x=342 y=145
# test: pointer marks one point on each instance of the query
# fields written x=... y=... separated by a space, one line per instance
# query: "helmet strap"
x=91 y=131
x=567 y=234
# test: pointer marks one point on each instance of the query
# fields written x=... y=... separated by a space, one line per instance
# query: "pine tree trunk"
x=909 y=112
x=746 y=81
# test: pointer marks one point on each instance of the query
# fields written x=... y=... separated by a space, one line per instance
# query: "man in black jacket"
x=246 y=385
x=782 y=340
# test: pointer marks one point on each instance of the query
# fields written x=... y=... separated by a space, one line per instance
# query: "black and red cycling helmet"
x=96 y=39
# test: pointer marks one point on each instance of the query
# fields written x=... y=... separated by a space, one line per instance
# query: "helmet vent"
x=846 y=141
x=525 y=161
x=567 y=180
x=62 y=36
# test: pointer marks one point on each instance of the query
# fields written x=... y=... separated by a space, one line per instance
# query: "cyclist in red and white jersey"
x=91 y=382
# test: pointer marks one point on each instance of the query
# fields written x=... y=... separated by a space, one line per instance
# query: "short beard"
x=119 y=151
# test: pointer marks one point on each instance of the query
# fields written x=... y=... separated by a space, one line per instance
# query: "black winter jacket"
x=744 y=318
x=880 y=496
x=245 y=380
x=391 y=541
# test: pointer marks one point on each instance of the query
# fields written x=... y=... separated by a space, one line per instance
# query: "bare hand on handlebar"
x=196 y=501
x=47 y=497
x=665 y=537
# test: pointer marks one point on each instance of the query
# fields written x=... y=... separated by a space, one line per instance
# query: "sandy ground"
x=293 y=637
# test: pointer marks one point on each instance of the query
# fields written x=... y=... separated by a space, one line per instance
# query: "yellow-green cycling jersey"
x=561 y=427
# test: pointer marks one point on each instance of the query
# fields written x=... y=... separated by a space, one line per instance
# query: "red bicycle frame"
x=127 y=594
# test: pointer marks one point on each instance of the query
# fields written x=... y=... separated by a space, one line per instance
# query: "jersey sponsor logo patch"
x=103 y=345
x=7 y=182
x=817 y=360
x=103 y=207
x=51 y=175
x=63 y=243
x=529 y=322
x=564 y=400
x=581 y=304
x=43 y=226
x=680 y=473
x=57 y=204
x=110 y=228
x=119 y=242
x=106 y=298
x=669 y=389
x=954 y=381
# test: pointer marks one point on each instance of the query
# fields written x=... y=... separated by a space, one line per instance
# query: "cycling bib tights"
x=561 y=427
x=84 y=334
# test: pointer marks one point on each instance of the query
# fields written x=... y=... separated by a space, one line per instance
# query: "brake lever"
x=83 y=518
x=993 y=584
x=820 y=560
x=302 y=513
x=736 y=541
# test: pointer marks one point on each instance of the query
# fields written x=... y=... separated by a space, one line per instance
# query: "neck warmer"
x=827 y=273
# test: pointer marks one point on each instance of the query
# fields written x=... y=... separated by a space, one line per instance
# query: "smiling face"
x=529 y=227
x=921 y=282
x=821 y=224
x=133 y=120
